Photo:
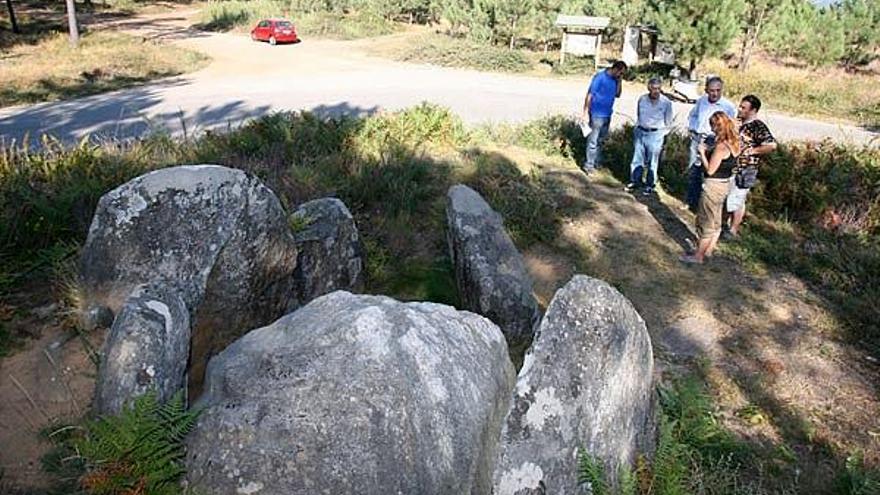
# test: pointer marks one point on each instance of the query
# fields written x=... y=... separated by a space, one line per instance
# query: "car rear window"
x=284 y=24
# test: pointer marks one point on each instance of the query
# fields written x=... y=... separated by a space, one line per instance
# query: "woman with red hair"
x=717 y=171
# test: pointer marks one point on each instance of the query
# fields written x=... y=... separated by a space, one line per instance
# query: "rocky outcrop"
x=216 y=235
x=587 y=383
x=330 y=252
x=490 y=273
x=147 y=349
x=354 y=394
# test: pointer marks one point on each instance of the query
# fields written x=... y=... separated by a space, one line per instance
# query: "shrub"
x=528 y=202
x=833 y=185
x=50 y=196
x=453 y=52
x=343 y=27
x=412 y=128
x=139 y=451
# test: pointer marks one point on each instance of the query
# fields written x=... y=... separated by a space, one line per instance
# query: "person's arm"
x=712 y=163
x=586 y=113
x=763 y=149
x=693 y=115
x=768 y=142
x=639 y=111
x=588 y=99
x=619 y=86
x=668 y=116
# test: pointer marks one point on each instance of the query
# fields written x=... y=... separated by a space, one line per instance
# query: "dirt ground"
x=46 y=384
x=767 y=343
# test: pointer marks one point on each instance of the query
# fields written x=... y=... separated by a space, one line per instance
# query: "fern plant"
x=140 y=451
x=591 y=471
x=857 y=479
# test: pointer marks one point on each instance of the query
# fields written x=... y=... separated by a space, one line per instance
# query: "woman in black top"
x=717 y=170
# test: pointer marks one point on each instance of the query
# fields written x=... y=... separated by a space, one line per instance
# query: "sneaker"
x=648 y=191
x=632 y=186
x=588 y=170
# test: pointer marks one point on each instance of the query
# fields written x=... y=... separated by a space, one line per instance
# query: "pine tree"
x=543 y=21
x=801 y=30
x=697 y=29
x=861 y=26
x=513 y=12
x=623 y=13
x=756 y=16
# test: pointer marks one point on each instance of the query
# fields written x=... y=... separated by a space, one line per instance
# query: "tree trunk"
x=12 y=17
x=750 y=39
x=71 y=23
x=512 y=34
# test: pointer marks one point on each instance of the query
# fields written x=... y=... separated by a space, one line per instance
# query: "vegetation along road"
x=247 y=79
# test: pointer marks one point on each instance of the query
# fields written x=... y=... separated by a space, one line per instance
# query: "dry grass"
x=53 y=70
x=825 y=93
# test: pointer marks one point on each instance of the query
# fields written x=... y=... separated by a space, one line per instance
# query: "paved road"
x=248 y=79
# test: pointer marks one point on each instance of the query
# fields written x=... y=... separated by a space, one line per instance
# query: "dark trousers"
x=695 y=172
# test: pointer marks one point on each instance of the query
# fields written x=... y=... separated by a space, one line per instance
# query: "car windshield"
x=284 y=24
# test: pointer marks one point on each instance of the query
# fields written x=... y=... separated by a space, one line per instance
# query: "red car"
x=274 y=31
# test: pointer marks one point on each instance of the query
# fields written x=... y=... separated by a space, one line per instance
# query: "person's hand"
x=748 y=151
x=702 y=148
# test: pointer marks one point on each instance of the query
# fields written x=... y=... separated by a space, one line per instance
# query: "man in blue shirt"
x=653 y=122
x=701 y=132
x=598 y=107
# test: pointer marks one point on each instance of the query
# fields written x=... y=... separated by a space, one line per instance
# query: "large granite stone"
x=587 y=383
x=147 y=349
x=216 y=235
x=355 y=394
x=330 y=252
x=489 y=271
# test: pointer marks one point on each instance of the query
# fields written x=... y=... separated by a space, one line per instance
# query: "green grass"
x=392 y=170
x=694 y=454
x=53 y=70
x=243 y=14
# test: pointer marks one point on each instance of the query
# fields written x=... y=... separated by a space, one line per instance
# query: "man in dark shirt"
x=756 y=141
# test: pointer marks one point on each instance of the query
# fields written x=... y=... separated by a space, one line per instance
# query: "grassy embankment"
x=393 y=171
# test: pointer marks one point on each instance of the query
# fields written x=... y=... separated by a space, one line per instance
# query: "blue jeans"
x=695 y=172
x=646 y=148
x=595 y=139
